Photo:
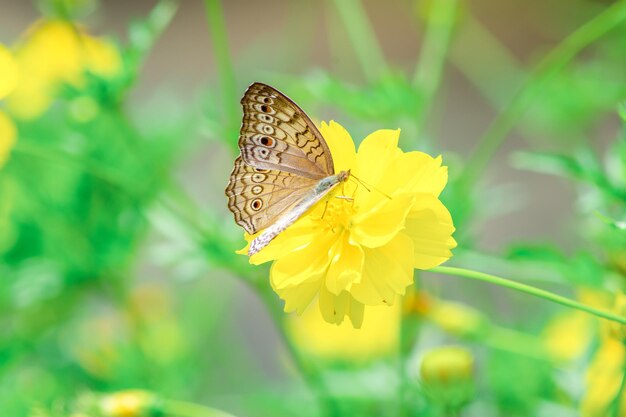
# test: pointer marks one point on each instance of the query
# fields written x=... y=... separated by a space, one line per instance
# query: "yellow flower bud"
x=447 y=376
x=131 y=403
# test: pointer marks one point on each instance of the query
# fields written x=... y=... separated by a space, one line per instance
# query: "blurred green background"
x=117 y=264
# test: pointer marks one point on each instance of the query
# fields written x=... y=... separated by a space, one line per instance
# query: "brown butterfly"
x=285 y=166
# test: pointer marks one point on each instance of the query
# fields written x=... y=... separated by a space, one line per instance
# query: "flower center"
x=336 y=213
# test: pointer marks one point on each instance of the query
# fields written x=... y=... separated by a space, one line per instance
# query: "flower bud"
x=447 y=375
x=131 y=403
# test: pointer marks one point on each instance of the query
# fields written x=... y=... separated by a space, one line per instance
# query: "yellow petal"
x=299 y=297
x=415 y=172
x=376 y=153
x=387 y=272
x=340 y=144
x=293 y=238
x=335 y=308
x=377 y=226
x=8 y=134
x=8 y=72
x=429 y=225
x=303 y=264
x=345 y=265
x=378 y=337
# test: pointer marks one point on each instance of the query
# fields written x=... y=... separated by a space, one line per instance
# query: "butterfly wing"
x=257 y=197
x=277 y=135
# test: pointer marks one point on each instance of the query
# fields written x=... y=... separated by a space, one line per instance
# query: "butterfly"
x=284 y=169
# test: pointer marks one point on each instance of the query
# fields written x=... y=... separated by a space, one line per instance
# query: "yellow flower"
x=603 y=379
x=131 y=403
x=378 y=337
x=567 y=336
x=56 y=52
x=361 y=249
x=455 y=318
x=9 y=76
x=606 y=370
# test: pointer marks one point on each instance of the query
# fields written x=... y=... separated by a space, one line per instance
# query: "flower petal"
x=387 y=272
x=415 y=172
x=429 y=225
x=297 y=235
x=335 y=308
x=345 y=265
x=298 y=298
x=341 y=145
x=376 y=153
x=303 y=264
x=377 y=226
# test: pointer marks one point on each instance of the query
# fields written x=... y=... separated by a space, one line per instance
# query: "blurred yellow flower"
x=378 y=337
x=457 y=318
x=131 y=403
x=56 y=52
x=9 y=76
x=361 y=249
x=606 y=370
x=567 y=336
x=603 y=379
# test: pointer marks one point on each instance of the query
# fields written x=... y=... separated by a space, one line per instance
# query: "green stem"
x=553 y=62
x=547 y=295
x=184 y=409
x=435 y=47
x=309 y=372
x=226 y=73
x=362 y=37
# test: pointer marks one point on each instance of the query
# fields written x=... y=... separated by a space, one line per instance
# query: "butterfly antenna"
x=369 y=187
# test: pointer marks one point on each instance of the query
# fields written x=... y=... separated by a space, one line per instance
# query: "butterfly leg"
x=345 y=197
x=325 y=207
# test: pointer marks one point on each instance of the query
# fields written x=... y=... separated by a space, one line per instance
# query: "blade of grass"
x=362 y=37
x=552 y=63
x=226 y=73
x=429 y=69
x=492 y=68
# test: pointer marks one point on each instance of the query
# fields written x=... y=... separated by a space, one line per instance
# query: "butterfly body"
x=284 y=169
x=322 y=189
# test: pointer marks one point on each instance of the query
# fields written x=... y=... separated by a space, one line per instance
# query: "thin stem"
x=547 y=295
x=226 y=73
x=362 y=37
x=185 y=409
x=435 y=47
x=492 y=68
x=553 y=62
x=310 y=374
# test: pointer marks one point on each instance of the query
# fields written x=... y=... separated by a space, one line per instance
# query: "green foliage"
x=114 y=277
